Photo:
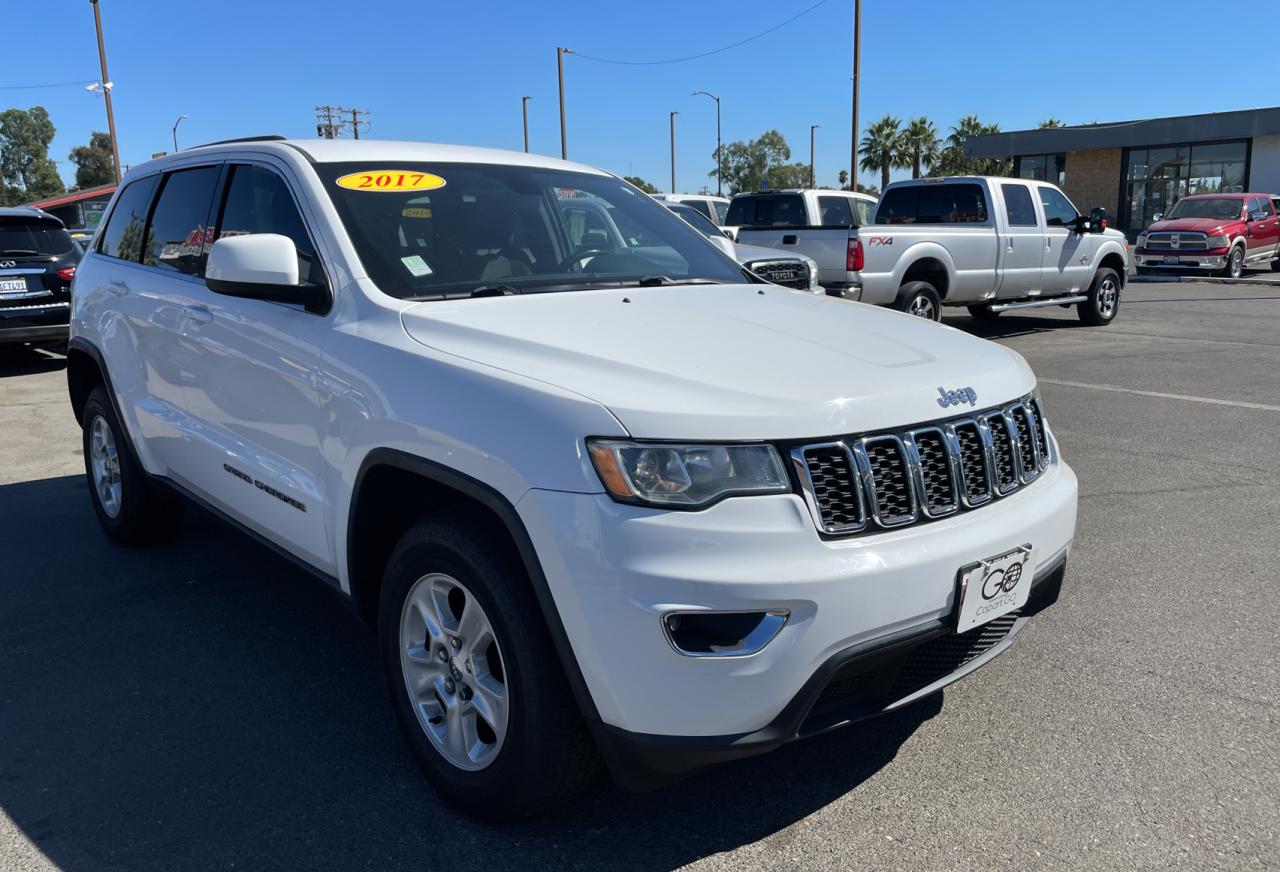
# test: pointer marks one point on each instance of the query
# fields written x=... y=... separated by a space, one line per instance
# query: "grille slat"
x=889 y=480
x=789 y=274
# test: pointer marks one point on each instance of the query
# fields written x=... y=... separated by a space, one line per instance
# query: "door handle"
x=197 y=314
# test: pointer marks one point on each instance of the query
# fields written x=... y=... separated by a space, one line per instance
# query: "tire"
x=1235 y=264
x=526 y=749
x=1275 y=265
x=132 y=509
x=982 y=313
x=1103 y=304
x=920 y=299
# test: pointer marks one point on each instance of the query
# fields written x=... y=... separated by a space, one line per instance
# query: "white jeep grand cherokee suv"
x=603 y=502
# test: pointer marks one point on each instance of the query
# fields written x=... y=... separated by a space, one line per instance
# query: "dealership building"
x=1134 y=169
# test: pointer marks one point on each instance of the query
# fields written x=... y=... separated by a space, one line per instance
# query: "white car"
x=715 y=208
x=791 y=271
x=600 y=503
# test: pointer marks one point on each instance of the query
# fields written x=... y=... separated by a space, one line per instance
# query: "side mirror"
x=1257 y=216
x=1159 y=216
x=725 y=244
x=261 y=266
x=1100 y=219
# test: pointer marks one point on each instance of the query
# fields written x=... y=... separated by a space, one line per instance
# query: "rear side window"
x=1018 y=206
x=767 y=210
x=122 y=237
x=866 y=209
x=722 y=210
x=933 y=204
x=1058 y=210
x=29 y=237
x=258 y=201
x=176 y=232
x=836 y=211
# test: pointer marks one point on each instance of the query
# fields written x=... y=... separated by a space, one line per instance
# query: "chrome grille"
x=889 y=480
x=788 y=273
x=1185 y=241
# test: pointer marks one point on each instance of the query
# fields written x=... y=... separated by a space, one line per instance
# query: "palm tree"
x=920 y=140
x=1051 y=122
x=882 y=149
x=955 y=162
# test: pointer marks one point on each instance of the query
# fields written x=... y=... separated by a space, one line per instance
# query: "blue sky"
x=455 y=72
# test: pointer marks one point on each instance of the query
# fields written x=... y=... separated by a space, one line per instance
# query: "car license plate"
x=1171 y=260
x=13 y=286
x=994 y=587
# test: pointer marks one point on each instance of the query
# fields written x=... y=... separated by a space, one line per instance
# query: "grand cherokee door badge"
x=264 y=487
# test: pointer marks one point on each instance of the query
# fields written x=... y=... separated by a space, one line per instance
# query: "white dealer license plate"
x=1171 y=260
x=994 y=587
x=13 y=286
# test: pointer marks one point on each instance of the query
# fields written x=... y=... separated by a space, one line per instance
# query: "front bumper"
x=614 y=571
x=1210 y=260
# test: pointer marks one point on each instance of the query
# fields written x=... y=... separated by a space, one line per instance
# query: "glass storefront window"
x=1156 y=178
x=1042 y=167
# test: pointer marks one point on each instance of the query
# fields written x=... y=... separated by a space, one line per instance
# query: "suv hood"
x=1211 y=226
x=727 y=361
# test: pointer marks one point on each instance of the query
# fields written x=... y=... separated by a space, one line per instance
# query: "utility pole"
x=524 y=110
x=106 y=90
x=356 y=122
x=719 y=189
x=813 y=180
x=673 y=151
x=564 y=141
x=857 y=65
x=330 y=121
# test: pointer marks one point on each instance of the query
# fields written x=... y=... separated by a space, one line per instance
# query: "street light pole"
x=524 y=110
x=857 y=65
x=175 y=130
x=106 y=90
x=813 y=180
x=673 y=151
x=719 y=190
x=564 y=141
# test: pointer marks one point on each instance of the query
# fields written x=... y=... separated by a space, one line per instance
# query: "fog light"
x=722 y=634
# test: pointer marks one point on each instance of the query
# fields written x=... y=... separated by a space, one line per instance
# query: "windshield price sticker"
x=391 y=180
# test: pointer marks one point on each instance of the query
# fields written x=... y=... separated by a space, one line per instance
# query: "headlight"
x=1142 y=240
x=813 y=275
x=662 y=474
x=1218 y=241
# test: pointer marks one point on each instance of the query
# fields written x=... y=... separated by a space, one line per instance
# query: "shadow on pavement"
x=204 y=704
x=1010 y=325
x=22 y=360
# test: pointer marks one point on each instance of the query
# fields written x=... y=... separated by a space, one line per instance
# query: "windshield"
x=33 y=236
x=431 y=231
x=1218 y=208
x=700 y=222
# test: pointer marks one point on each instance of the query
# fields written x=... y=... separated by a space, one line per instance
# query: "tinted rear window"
x=933 y=204
x=28 y=237
x=767 y=210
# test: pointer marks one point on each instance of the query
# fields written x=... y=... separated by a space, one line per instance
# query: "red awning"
x=86 y=194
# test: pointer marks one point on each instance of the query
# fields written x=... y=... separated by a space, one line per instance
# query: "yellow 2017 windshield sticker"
x=391 y=180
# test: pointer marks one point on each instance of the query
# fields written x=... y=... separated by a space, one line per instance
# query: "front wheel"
x=475 y=680
x=1235 y=264
x=919 y=299
x=1103 y=303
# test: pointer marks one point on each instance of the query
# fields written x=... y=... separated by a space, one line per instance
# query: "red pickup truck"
x=1225 y=233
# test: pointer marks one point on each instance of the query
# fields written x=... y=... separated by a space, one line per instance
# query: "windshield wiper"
x=655 y=281
x=494 y=291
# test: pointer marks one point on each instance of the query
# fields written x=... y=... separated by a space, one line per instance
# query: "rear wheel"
x=132 y=509
x=983 y=313
x=475 y=680
x=1103 y=303
x=1235 y=264
x=919 y=299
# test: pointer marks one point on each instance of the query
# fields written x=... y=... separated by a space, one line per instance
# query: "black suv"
x=37 y=262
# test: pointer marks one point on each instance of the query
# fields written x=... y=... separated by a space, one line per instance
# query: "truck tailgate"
x=828 y=246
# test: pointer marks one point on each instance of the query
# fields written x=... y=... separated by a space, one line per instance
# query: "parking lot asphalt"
x=205 y=705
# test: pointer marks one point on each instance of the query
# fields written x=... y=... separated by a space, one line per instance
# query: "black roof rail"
x=267 y=137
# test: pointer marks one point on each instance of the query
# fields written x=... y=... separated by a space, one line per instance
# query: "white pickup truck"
x=991 y=244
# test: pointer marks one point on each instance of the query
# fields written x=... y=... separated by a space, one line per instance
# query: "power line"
x=50 y=85
x=705 y=54
x=333 y=121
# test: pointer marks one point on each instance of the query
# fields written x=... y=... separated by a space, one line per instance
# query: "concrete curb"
x=1209 y=280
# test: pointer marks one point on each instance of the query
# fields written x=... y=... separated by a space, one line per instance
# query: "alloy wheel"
x=1108 y=298
x=454 y=671
x=1236 y=265
x=922 y=307
x=104 y=460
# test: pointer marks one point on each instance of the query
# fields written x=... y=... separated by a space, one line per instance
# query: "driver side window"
x=1058 y=211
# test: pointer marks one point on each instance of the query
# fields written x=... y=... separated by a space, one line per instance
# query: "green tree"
x=94 y=163
x=920 y=140
x=25 y=167
x=635 y=180
x=882 y=148
x=953 y=161
x=1051 y=122
x=745 y=166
